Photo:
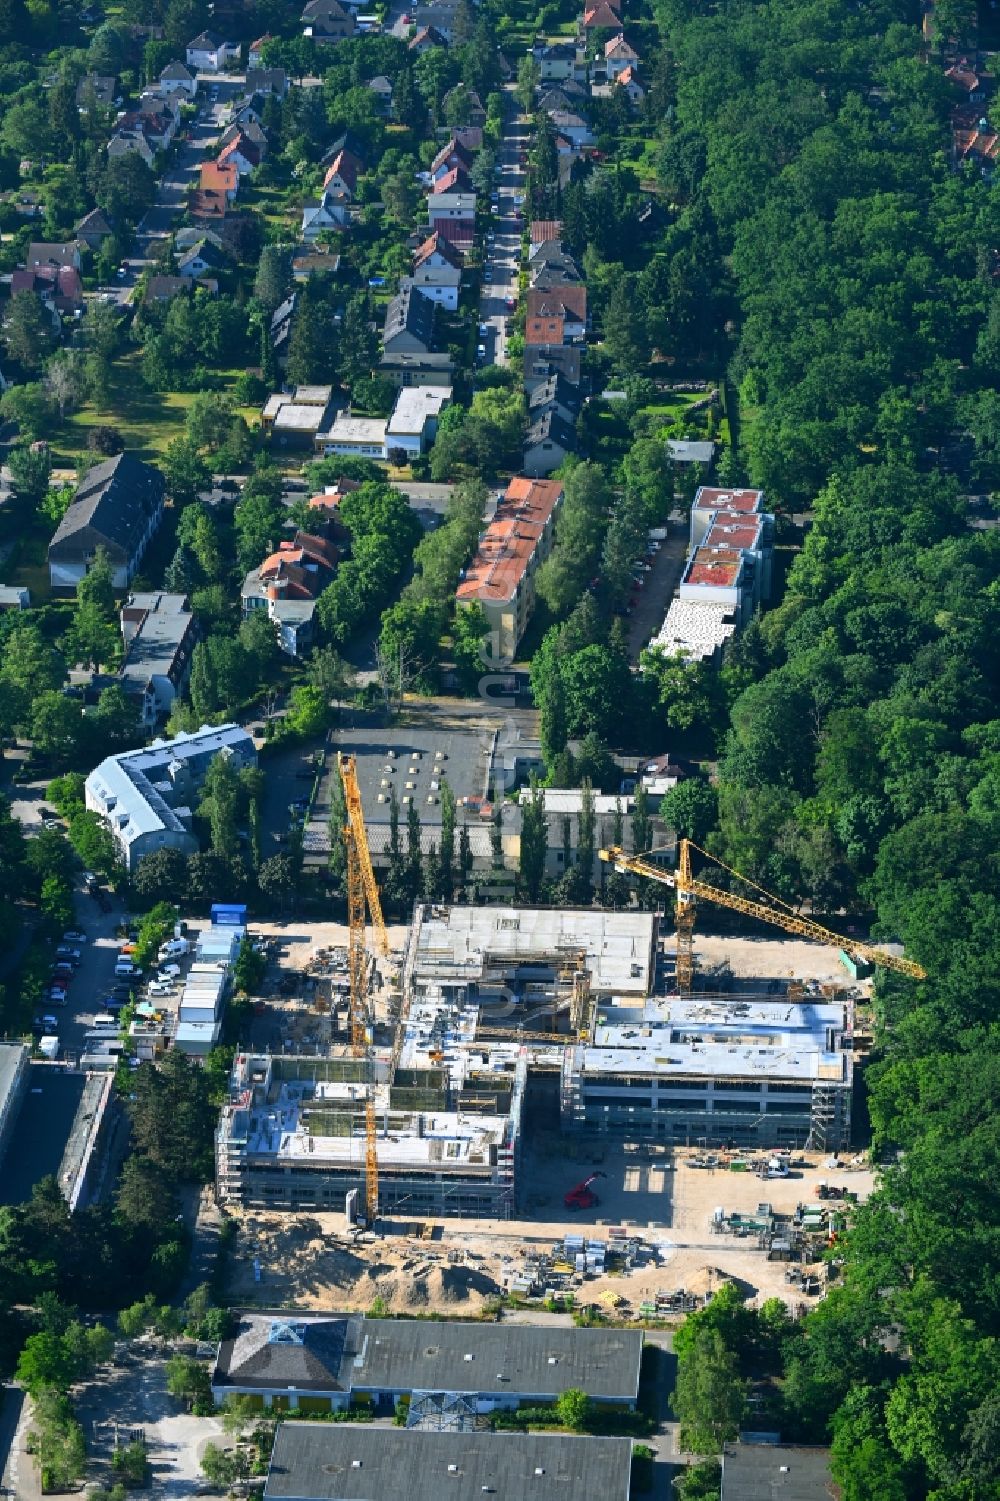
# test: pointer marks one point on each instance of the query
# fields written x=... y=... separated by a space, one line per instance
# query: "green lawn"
x=148 y=420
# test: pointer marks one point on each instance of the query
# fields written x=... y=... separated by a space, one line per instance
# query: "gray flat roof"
x=775 y=1472
x=355 y=1462
x=385 y=756
x=11 y=1054
x=407 y=1355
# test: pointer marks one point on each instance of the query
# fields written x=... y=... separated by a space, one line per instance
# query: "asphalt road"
x=171 y=195
x=501 y=262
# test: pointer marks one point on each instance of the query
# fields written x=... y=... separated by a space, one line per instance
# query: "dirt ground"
x=767 y=958
x=314 y=1261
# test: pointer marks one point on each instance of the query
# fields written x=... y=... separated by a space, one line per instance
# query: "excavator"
x=690 y=891
x=582 y=1196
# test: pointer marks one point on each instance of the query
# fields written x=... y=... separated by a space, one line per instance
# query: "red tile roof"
x=558 y=302
x=710 y=498
x=221 y=177
x=510 y=540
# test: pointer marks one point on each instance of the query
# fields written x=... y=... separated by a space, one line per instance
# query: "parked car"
x=64 y=951
x=160 y=987
x=56 y=997
x=169 y=972
x=73 y=935
x=50 y=1024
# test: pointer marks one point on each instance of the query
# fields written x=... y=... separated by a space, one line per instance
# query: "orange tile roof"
x=544 y=331
x=510 y=540
x=220 y=177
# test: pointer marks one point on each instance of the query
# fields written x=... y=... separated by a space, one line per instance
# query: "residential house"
x=58 y=288
x=118 y=506
x=362 y=437
x=159 y=632
x=201 y=260
x=542 y=231
x=967 y=79
x=336 y=1360
x=567 y=95
x=438 y=252
x=440 y=283
x=207 y=207
x=474 y=113
x=453 y=215
x=329 y=498
x=559 y=60
x=146 y=797
x=549 y=440
x=404 y=369
x=618 y=55
x=545 y=360
x=601 y=16
x=566 y=302
x=573 y=128
x=157 y=123
x=43 y=256
x=97 y=88
x=781 y=1472
x=267 y=81
x=256 y=49
x=287 y=584
x=381 y=87
x=980 y=145
x=313 y=259
x=501 y=576
x=409 y=324
x=221 y=177
x=211 y=53
x=93 y=229
x=455 y=180
x=296 y=416
x=543 y=331
x=554 y=393
x=348 y=141
x=452 y=154
x=243 y=153
x=326 y=215
x=549 y=255
x=660 y=775
x=414 y=421
x=469 y=137
x=691 y=451
x=14 y=597
x=165 y=288
x=341 y=180
x=440 y=16
x=328 y=21
x=628 y=81
x=424 y=39
x=177 y=79
x=131 y=143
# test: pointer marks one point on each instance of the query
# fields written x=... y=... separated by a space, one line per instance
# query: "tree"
x=30 y=469
x=57 y=727
x=327 y=672
x=642 y=826
x=691 y=809
x=56 y=903
x=219 y=803
x=30 y=406
x=273 y=276
x=184 y=470
x=161 y=876
x=709 y=1398
x=278 y=879
x=528 y=79
x=534 y=844
x=579 y=534
x=46 y=1362
x=91 y=638
x=189 y=1380
x=64 y=382
x=574 y=1409
x=124 y=187
x=27 y=332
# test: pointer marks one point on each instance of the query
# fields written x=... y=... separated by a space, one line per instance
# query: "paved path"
x=502 y=255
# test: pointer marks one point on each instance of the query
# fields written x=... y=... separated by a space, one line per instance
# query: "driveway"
x=502 y=255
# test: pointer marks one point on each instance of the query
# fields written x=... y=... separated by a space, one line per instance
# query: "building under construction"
x=493 y=999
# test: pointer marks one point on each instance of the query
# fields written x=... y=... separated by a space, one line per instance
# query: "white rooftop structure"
x=695 y=630
x=146 y=796
x=745 y=1038
x=415 y=405
x=454 y=944
x=360 y=435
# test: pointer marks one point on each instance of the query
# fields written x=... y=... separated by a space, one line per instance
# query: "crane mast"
x=362 y=891
x=689 y=891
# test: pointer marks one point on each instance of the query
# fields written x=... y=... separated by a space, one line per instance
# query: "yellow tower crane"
x=361 y=891
x=690 y=891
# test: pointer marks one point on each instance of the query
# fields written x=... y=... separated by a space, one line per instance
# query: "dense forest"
x=861 y=767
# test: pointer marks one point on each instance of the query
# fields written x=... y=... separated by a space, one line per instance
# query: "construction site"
x=489 y=1050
